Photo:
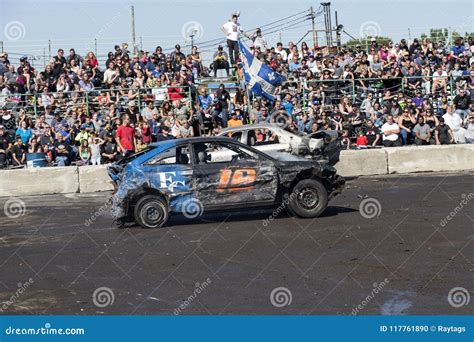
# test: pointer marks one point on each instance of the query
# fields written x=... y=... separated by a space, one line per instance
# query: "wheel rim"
x=308 y=198
x=153 y=214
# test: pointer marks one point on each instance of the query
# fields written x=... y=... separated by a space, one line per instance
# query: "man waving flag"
x=260 y=78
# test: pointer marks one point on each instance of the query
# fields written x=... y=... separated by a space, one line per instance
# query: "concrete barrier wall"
x=362 y=163
x=63 y=180
x=94 y=179
x=430 y=158
x=39 y=181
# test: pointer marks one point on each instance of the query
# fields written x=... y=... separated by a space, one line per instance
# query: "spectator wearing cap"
x=462 y=102
x=222 y=106
x=234 y=120
x=108 y=150
x=443 y=133
x=258 y=40
x=470 y=129
x=177 y=54
x=63 y=150
x=133 y=112
x=220 y=61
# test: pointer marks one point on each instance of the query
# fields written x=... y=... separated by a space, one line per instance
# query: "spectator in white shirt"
x=110 y=74
x=454 y=121
x=281 y=51
x=391 y=133
x=232 y=29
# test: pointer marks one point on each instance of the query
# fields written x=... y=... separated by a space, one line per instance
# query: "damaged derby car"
x=190 y=176
x=272 y=137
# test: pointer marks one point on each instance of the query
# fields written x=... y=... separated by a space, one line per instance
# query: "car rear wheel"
x=309 y=198
x=151 y=211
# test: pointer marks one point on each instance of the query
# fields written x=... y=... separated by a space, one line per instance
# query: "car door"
x=171 y=172
x=230 y=175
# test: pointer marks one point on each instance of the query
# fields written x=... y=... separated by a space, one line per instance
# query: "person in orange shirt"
x=234 y=121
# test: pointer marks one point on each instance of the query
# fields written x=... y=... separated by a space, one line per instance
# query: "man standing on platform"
x=232 y=29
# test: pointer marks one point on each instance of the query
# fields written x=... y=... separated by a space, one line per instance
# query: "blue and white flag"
x=260 y=78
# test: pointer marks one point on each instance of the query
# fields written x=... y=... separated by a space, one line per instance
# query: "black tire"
x=308 y=199
x=151 y=211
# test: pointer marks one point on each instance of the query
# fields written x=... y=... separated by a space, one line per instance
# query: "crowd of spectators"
x=77 y=111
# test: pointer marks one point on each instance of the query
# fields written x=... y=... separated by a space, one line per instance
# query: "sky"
x=28 y=26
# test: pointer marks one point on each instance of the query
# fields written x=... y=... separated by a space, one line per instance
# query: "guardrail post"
x=35 y=105
x=304 y=98
x=139 y=101
x=451 y=87
x=87 y=103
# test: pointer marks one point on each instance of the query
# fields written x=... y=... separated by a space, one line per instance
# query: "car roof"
x=253 y=126
x=180 y=141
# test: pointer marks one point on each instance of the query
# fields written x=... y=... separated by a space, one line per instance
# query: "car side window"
x=175 y=155
x=217 y=152
x=260 y=137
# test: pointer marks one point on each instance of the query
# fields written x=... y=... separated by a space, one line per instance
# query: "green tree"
x=365 y=42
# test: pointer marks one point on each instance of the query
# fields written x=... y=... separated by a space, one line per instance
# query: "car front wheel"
x=151 y=211
x=309 y=198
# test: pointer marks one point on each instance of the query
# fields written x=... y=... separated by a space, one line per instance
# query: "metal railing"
x=358 y=89
x=34 y=103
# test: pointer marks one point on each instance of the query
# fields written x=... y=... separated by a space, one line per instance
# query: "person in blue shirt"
x=294 y=65
x=24 y=132
x=287 y=104
x=304 y=124
x=457 y=48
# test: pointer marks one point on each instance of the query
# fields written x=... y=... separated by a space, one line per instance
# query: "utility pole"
x=338 y=33
x=409 y=35
x=313 y=26
x=192 y=39
x=134 y=45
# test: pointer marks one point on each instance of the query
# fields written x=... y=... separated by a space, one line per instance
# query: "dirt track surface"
x=404 y=260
